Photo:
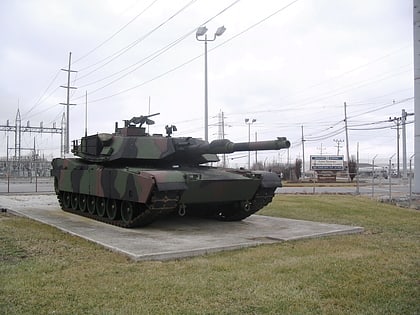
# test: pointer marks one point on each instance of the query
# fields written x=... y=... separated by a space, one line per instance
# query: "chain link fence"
x=31 y=184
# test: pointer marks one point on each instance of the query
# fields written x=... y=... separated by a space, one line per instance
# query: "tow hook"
x=246 y=206
x=182 y=210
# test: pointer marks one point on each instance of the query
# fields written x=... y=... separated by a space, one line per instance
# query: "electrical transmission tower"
x=18 y=129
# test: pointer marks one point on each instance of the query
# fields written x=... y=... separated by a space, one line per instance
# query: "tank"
x=130 y=178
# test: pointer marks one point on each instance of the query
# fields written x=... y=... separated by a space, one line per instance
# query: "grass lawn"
x=45 y=271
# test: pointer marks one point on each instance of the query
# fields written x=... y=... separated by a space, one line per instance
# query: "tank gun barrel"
x=226 y=146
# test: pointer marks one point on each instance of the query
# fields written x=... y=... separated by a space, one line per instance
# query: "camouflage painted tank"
x=130 y=178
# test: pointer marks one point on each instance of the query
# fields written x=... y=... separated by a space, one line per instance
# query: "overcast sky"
x=286 y=64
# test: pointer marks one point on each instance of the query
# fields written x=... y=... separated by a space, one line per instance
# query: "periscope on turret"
x=130 y=178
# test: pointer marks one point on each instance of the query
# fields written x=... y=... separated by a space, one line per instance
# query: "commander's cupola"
x=134 y=126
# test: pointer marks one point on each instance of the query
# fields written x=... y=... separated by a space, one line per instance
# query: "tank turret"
x=132 y=143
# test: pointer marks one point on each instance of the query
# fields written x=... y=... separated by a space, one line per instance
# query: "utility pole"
x=404 y=115
x=416 y=66
x=68 y=87
x=256 y=151
x=63 y=127
x=222 y=132
x=303 y=153
x=397 y=121
x=404 y=142
x=18 y=136
x=338 y=141
x=347 y=140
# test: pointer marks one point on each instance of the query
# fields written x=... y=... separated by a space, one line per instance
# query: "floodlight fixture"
x=220 y=31
x=201 y=31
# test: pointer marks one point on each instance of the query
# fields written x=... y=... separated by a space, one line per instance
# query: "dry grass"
x=44 y=271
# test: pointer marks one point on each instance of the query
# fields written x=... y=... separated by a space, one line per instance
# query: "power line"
x=116 y=33
x=326 y=136
x=385 y=106
x=43 y=94
x=151 y=56
x=145 y=61
x=133 y=44
x=192 y=59
x=378 y=128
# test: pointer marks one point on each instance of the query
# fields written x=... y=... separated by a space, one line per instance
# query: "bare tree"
x=352 y=165
x=298 y=168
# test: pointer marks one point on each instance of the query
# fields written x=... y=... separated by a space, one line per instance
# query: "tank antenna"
x=148 y=126
x=86 y=117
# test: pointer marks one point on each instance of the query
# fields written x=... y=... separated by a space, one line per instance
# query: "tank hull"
x=137 y=196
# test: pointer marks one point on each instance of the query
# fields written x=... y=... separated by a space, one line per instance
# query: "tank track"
x=160 y=205
x=244 y=209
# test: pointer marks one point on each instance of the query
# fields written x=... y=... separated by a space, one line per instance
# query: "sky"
x=290 y=65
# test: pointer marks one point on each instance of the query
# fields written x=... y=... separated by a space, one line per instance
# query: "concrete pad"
x=173 y=237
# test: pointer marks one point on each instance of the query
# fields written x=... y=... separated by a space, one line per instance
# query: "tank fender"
x=169 y=180
x=269 y=179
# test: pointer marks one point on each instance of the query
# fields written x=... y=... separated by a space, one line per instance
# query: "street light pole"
x=201 y=31
x=249 y=122
x=206 y=94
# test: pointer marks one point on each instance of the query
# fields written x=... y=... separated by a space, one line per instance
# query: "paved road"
x=380 y=189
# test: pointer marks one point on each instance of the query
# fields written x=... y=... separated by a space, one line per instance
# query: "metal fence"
x=34 y=184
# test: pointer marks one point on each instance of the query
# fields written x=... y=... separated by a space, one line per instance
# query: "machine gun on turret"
x=140 y=120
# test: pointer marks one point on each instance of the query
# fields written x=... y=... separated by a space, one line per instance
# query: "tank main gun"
x=225 y=146
x=200 y=151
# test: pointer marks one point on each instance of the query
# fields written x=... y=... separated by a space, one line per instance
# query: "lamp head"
x=201 y=31
x=220 y=31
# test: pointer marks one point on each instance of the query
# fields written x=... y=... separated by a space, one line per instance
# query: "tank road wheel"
x=67 y=200
x=112 y=211
x=74 y=201
x=100 y=206
x=91 y=201
x=129 y=211
x=82 y=203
